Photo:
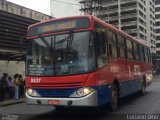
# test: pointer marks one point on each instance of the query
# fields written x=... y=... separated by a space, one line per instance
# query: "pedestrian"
x=1 y=91
x=10 y=87
x=16 y=86
x=21 y=86
x=4 y=85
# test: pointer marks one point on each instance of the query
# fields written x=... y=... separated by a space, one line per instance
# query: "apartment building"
x=157 y=25
x=136 y=17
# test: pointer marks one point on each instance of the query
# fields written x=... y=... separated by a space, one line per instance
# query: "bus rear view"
x=61 y=63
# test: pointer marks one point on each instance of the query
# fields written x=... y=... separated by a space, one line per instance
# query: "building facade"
x=64 y=8
x=14 y=21
x=157 y=25
x=136 y=17
x=22 y=11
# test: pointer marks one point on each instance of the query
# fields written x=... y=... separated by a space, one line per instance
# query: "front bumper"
x=89 y=100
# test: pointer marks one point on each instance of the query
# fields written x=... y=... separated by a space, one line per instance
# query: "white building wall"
x=12 y=67
x=157 y=27
x=148 y=22
x=150 y=39
x=64 y=8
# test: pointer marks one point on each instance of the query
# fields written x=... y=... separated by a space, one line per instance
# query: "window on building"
x=158 y=45
x=157 y=9
x=158 y=23
x=157 y=16
x=157 y=37
x=157 y=2
x=157 y=30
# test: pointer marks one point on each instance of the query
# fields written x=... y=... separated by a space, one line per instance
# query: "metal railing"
x=108 y=11
x=129 y=31
x=115 y=24
x=128 y=1
x=132 y=7
x=112 y=3
x=112 y=18
x=129 y=23
x=128 y=15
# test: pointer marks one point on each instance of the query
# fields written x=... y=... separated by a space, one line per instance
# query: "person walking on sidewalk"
x=10 y=87
x=21 y=86
x=4 y=85
x=1 y=91
x=16 y=86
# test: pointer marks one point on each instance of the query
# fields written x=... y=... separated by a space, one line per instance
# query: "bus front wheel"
x=114 y=98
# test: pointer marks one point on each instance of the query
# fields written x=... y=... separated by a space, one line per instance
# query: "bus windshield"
x=65 y=54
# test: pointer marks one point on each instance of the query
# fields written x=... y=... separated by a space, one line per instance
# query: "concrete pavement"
x=11 y=102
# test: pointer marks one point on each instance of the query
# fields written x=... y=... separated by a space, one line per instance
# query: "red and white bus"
x=83 y=61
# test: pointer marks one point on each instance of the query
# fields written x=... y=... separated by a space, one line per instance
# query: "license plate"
x=53 y=102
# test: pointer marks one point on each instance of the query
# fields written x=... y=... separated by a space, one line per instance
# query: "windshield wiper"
x=44 y=41
x=69 y=39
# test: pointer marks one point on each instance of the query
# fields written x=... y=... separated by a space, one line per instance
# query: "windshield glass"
x=65 y=54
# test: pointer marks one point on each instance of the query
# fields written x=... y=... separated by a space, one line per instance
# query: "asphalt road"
x=131 y=107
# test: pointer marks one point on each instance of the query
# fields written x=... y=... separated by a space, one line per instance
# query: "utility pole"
x=119 y=14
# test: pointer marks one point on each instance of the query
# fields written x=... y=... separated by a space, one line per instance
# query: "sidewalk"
x=11 y=102
x=156 y=77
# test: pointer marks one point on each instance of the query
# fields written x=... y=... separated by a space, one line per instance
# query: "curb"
x=11 y=102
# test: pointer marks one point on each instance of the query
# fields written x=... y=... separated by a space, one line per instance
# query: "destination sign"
x=59 y=25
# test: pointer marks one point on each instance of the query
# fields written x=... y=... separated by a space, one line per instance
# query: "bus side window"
x=112 y=38
x=142 y=58
x=129 y=49
x=136 y=51
x=149 y=56
x=101 y=47
x=146 y=54
x=121 y=47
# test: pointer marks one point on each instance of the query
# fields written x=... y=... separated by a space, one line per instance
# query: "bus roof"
x=97 y=20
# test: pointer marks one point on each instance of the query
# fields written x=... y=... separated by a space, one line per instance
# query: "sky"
x=60 y=8
x=42 y=6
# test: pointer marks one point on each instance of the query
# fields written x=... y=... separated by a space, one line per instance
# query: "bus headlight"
x=82 y=92
x=149 y=78
x=32 y=92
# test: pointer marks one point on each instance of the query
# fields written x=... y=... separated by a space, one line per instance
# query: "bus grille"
x=59 y=93
x=59 y=85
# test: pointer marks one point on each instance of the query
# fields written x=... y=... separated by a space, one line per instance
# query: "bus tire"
x=114 y=98
x=143 y=89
